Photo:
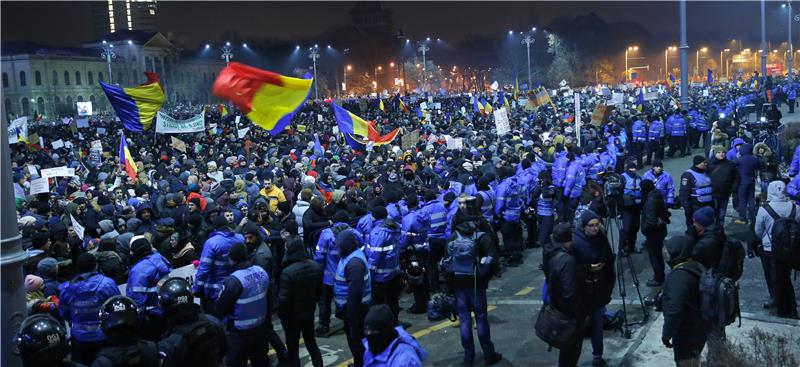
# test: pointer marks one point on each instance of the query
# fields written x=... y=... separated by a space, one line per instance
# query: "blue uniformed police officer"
x=695 y=190
x=631 y=208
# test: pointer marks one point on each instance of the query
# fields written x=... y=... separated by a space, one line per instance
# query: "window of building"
x=78 y=80
x=89 y=78
x=22 y=81
x=55 y=78
x=40 y=105
x=37 y=76
x=5 y=80
x=9 y=108
x=66 y=77
x=26 y=106
x=135 y=75
x=80 y=98
x=69 y=102
x=100 y=76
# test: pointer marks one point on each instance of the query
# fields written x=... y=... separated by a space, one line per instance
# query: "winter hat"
x=698 y=159
x=140 y=246
x=658 y=164
x=631 y=165
x=379 y=212
x=220 y=221
x=290 y=226
x=106 y=225
x=33 y=283
x=562 y=232
x=47 y=267
x=704 y=216
x=39 y=239
x=588 y=215
x=252 y=229
x=718 y=149
x=86 y=262
x=379 y=319
x=238 y=252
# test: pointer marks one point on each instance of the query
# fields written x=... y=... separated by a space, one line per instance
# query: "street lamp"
x=108 y=54
x=697 y=60
x=423 y=47
x=726 y=64
x=375 y=75
x=314 y=55
x=344 y=85
x=227 y=53
x=627 y=71
x=528 y=41
x=790 y=53
x=666 y=55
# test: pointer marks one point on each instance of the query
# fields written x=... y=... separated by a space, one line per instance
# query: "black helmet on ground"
x=41 y=341
x=118 y=312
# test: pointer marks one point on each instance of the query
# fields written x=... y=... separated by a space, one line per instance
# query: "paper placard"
x=82 y=123
x=242 y=132
x=68 y=144
x=101 y=131
x=97 y=144
x=32 y=170
x=57 y=144
x=79 y=229
x=178 y=144
x=501 y=121
x=705 y=92
x=237 y=119
x=39 y=186
x=301 y=128
x=62 y=171
x=410 y=139
x=336 y=130
x=319 y=117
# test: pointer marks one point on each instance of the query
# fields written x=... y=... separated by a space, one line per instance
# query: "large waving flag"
x=348 y=122
x=670 y=80
x=125 y=159
x=136 y=106
x=268 y=99
x=355 y=143
x=380 y=105
x=375 y=137
x=487 y=106
x=710 y=77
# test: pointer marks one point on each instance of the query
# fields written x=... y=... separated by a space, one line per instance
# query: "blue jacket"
x=214 y=266
x=250 y=310
x=364 y=226
x=81 y=299
x=560 y=169
x=699 y=122
x=545 y=205
x=639 y=133
x=663 y=183
x=794 y=167
x=733 y=154
x=656 y=131
x=677 y=125
x=143 y=280
x=415 y=227
x=327 y=254
x=383 y=251
x=404 y=351
x=608 y=159
x=576 y=178
x=510 y=197
x=437 y=214
x=747 y=164
x=793 y=189
x=397 y=210
x=632 y=187
x=451 y=214
x=487 y=206
x=528 y=182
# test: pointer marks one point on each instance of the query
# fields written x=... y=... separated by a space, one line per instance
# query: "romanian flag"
x=380 y=105
x=375 y=137
x=355 y=143
x=486 y=106
x=640 y=102
x=223 y=111
x=268 y=99
x=503 y=99
x=349 y=123
x=710 y=76
x=125 y=159
x=516 y=83
x=136 y=107
x=670 y=80
x=477 y=106
x=403 y=106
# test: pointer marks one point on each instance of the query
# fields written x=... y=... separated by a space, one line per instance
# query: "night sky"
x=193 y=23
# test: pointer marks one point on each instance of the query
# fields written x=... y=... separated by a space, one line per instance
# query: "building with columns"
x=49 y=80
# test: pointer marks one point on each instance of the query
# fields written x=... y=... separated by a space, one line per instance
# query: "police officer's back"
x=119 y=320
x=192 y=338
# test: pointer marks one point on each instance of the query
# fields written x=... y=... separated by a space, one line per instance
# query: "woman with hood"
x=593 y=252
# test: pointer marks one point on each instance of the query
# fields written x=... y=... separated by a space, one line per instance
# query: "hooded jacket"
x=383 y=251
x=708 y=246
x=724 y=177
x=301 y=284
x=143 y=279
x=779 y=202
x=404 y=351
x=214 y=265
x=565 y=280
x=299 y=209
x=747 y=165
x=594 y=250
x=732 y=154
x=681 y=295
x=654 y=214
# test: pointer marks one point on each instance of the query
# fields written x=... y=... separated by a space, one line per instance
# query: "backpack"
x=719 y=297
x=462 y=255
x=442 y=306
x=785 y=237
x=200 y=344
x=731 y=264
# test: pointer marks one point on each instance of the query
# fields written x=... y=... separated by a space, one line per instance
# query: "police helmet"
x=175 y=293
x=415 y=271
x=118 y=311
x=41 y=341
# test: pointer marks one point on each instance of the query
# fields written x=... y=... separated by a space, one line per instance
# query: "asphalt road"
x=514 y=302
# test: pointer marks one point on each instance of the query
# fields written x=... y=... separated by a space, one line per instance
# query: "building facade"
x=111 y=16
x=49 y=81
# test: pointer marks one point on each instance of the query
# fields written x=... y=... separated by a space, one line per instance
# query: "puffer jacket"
x=654 y=214
x=214 y=265
x=780 y=203
x=404 y=351
x=143 y=279
x=733 y=153
x=326 y=254
x=681 y=303
x=383 y=251
x=724 y=177
x=301 y=284
x=794 y=167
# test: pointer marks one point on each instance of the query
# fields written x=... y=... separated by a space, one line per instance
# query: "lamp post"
x=423 y=47
x=108 y=54
x=375 y=76
x=528 y=41
x=684 y=46
x=697 y=61
x=227 y=53
x=666 y=55
x=627 y=71
x=344 y=85
x=720 y=60
x=314 y=55
x=789 y=51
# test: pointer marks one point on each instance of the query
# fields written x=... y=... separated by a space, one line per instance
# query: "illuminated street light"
x=314 y=55
x=227 y=53
x=244 y=45
x=108 y=54
x=666 y=55
x=627 y=71
x=721 y=62
x=697 y=60
x=528 y=41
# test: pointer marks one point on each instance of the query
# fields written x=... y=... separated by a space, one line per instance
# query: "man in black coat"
x=565 y=288
x=300 y=287
x=655 y=218
x=684 y=329
x=724 y=180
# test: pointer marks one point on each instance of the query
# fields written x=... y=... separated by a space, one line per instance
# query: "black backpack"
x=200 y=344
x=719 y=296
x=732 y=263
x=785 y=237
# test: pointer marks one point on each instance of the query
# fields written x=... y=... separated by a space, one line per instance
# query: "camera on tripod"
x=612 y=191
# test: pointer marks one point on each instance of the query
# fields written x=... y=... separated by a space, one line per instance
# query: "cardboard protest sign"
x=410 y=139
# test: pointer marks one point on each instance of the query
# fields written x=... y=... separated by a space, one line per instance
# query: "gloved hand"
x=666 y=342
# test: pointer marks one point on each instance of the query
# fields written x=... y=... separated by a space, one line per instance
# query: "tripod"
x=612 y=218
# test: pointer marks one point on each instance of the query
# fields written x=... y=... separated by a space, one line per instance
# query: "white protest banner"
x=18 y=128
x=705 y=92
x=39 y=186
x=423 y=106
x=649 y=96
x=97 y=144
x=57 y=144
x=616 y=98
x=168 y=125
x=458 y=143
x=242 y=132
x=494 y=85
x=186 y=272
x=83 y=123
x=68 y=144
x=79 y=229
x=62 y=171
x=319 y=117
x=501 y=121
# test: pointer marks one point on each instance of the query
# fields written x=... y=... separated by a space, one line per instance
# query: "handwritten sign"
x=79 y=229
x=62 y=171
x=501 y=121
x=39 y=186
